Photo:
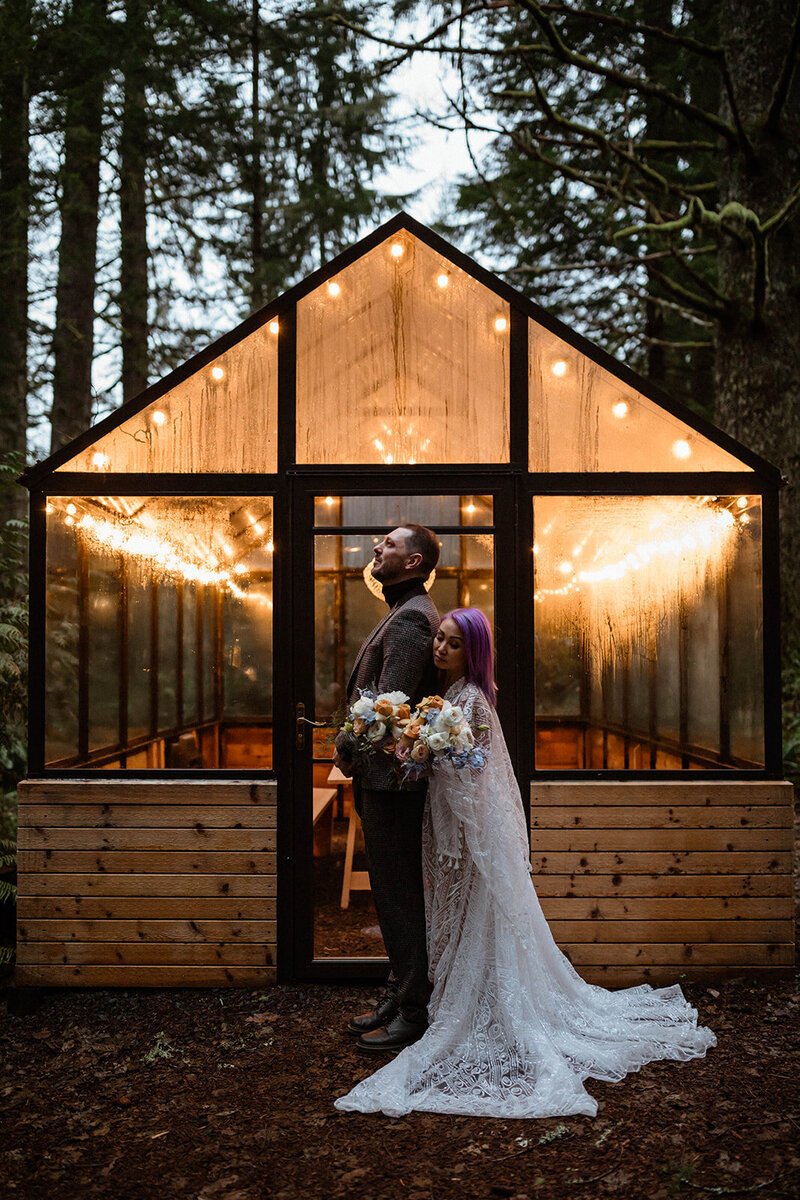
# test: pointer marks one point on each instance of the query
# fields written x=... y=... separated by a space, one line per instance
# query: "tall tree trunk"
x=757 y=363
x=134 y=292
x=15 y=28
x=73 y=340
x=257 y=183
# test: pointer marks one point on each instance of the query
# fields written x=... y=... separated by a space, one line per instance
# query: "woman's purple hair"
x=477 y=634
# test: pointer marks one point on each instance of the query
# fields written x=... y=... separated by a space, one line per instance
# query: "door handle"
x=300 y=725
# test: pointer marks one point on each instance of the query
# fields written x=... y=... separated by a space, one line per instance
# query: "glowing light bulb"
x=745 y=520
x=396 y=250
x=48 y=508
x=329 y=501
x=442 y=280
x=470 y=508
x=270 y=546
x=69 y=521
x=621 y=409
x=159 y=418
x=501 y=324
x=389 y=458
x=334 y=289
x=274 y=326
x=681 y=449
x=535 y=547
x=217 y=373
x=559 y=367
x=99 y=459
x=566 y=568
x=259 y=529
x=741 y=502
x=71 y=509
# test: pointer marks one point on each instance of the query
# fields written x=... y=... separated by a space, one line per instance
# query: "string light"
x=217 y=373
x=396 y=250
x=442 y=280
x=501 y=324
x=741 y=502
x=100 y=460
x=334 y=289
x=158 y=417
x=161 y=552
x=681 y=449
x=329 y=501
x=559 y=367
x=621 y=409
x=274 y=326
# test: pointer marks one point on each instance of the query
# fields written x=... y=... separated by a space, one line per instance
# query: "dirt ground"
x=227 y=1094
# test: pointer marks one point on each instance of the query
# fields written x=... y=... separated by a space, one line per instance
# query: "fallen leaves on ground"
x=228 y=1095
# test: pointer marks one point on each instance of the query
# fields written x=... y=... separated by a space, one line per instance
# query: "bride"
x=514 y=1031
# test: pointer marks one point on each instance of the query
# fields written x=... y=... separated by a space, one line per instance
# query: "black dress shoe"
x=379 y=1016
x=398 y=1033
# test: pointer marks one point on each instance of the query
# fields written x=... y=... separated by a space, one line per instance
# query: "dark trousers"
x=392 y=823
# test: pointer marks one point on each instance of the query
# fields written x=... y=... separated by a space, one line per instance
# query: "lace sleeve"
x=477 y=712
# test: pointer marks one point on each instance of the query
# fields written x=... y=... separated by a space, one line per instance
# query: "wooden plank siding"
x=138 y=883
x=657 y=882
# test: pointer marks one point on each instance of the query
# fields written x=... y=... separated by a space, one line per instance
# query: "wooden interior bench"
x=323 y=820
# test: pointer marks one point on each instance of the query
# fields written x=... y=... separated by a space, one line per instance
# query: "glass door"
x=339 y=603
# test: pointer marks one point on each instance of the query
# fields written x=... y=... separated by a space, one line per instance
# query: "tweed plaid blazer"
x=397 y=656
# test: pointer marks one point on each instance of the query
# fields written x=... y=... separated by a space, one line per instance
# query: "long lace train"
x=514 y=1029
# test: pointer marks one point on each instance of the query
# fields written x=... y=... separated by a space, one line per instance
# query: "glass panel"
x=414 y=351
x=103 y=649
x=167 y=655
x=224 y=417
x=643 y=604
x=348 y=604
x=62 y=625
x=583 y=418
x=197 y=578
x=386 y=512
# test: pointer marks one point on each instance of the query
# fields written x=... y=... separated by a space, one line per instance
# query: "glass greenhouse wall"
x=159 y=632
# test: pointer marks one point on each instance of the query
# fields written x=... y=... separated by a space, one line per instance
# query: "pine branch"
x=679 y=39
x=784 y=79
x=563 y=53
x=424 y=45
x=716 y=311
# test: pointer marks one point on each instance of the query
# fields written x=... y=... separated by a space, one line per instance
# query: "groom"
x=396 y=656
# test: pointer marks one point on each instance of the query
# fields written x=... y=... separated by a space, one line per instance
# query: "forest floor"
x=227 y=1094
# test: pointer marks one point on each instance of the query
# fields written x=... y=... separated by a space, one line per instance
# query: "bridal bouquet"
x=436 y=731
x=377 y=722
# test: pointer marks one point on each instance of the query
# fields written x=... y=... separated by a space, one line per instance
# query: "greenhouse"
x=200 y=586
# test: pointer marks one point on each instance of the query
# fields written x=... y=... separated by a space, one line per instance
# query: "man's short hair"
x=425 y=542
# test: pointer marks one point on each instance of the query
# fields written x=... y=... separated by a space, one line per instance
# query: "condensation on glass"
x=583 y=418
x=224 y=417
x=402 y=358
x=648 y=632
x=348 y=603
x=159 y=632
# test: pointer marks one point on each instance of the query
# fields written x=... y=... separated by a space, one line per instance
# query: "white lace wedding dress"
x=514 y=1030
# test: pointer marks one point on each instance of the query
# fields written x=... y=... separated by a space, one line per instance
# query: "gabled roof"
x=37 y=474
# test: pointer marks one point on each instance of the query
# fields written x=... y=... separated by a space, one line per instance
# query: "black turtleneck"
x=392 y=592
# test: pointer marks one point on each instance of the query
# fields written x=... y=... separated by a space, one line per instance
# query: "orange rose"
x=358 y=726
x=412 y=731
x=389 y=747
x=403 y=713
x=431 y=702
x=384 y=708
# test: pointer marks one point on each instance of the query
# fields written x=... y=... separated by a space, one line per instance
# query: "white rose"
x=398 y=731
x=438 y=742
x=376 y=731
x=395 y=698
x=464 y=739
x=362 y=708
x=451 y=716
